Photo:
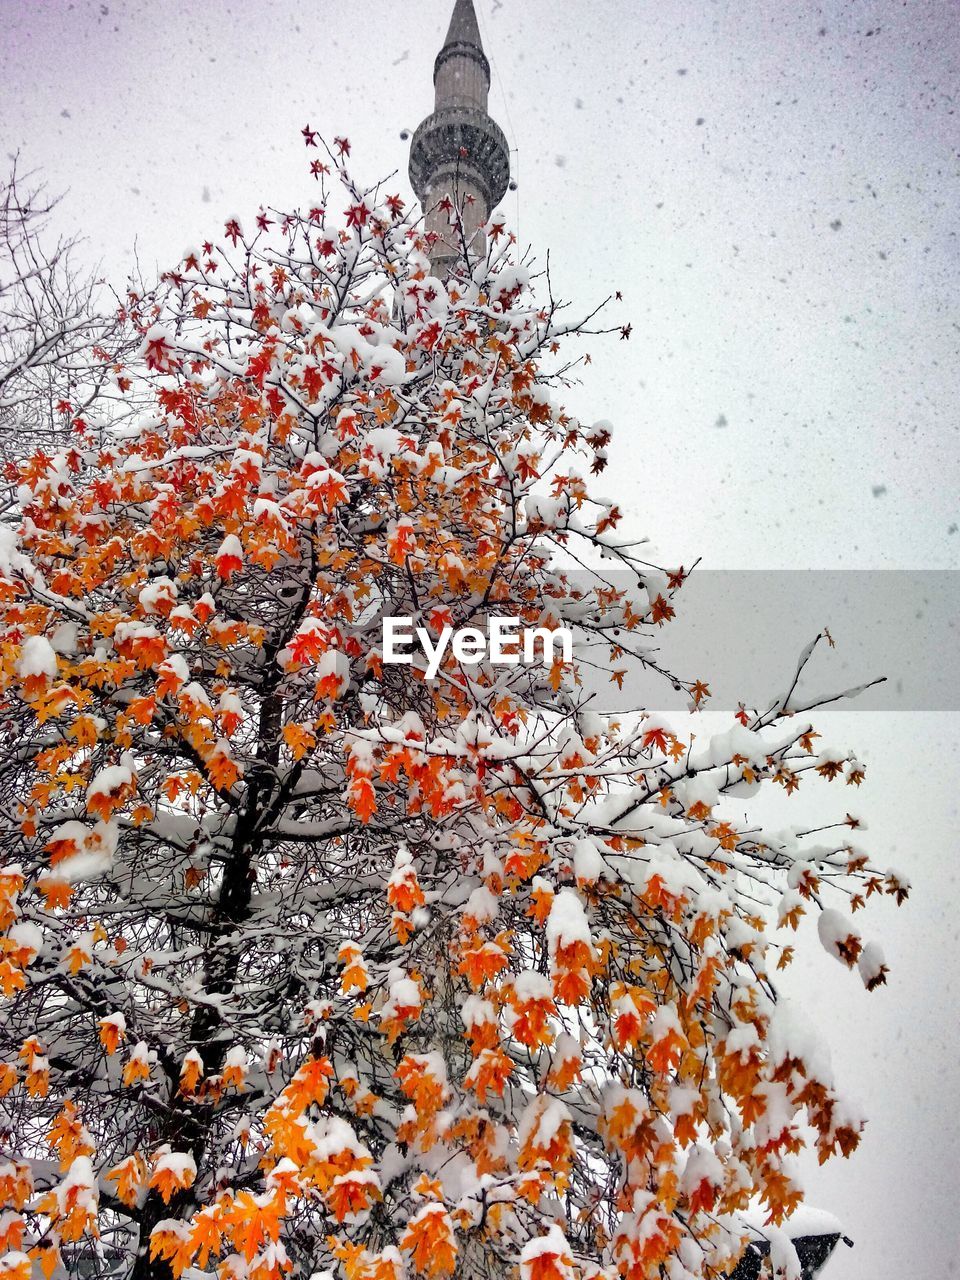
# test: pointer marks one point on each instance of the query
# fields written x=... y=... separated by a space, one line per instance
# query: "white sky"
x=695 y=154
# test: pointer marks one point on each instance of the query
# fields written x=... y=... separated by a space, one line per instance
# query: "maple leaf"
x=112 y=1029
x=362 y=798
x=129 y=1175
x=611 y=518
x=222 y=770
x=157 y=353
x=661 y=611
x=699 y=691
x=137 y=1068
x=229 y=557
x=547 y=1258
x=310 y=1084
x=171 y=1172
x=357 y=215
x=351 y=1193
x=56 y=894
x=190 y=1072
x=355 y=976
x=403 y=888
x=430 y=1241
x=252 y=1224
x=300 y=739
x=724 y=834
x=402 y=542
x=207 y=1231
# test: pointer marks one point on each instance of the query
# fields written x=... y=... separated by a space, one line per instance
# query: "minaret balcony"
x=458 y=137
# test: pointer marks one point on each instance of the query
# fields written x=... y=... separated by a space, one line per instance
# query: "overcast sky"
x=773 y=185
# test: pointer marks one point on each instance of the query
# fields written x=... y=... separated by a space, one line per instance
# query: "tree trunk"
x=187 y=1129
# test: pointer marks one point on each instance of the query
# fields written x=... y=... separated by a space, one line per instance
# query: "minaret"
x=459 y=152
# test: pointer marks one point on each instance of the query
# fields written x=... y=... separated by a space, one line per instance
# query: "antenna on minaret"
x=459 y=156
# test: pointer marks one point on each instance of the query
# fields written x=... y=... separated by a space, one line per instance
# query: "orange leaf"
x=430 y=1241
x=362 y=798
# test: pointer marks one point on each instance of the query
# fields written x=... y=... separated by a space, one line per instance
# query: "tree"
x=313 y=963
x=59 y=331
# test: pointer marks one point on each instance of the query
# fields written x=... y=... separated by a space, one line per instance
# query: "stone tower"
x=458 y=152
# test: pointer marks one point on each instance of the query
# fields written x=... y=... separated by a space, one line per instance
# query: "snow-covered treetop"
x=312 y=962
